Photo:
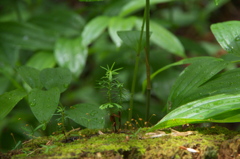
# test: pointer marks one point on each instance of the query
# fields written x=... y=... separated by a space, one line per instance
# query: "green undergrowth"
x=126 y=144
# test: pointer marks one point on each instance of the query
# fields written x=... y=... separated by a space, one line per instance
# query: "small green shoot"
x=114 y=94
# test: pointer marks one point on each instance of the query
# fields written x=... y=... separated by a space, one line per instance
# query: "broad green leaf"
x=228 y=36
x=61 y=22
x=26 y=36
x=71 y=54
x=31 y=76
x=42 y=60
x=119 y=24
x=224 y=83
x=166 y=40
x=44 y=103
x=217 y=108
x=93 y=29
x=192 y=77
x=56 y=77
x=135 y=5
x=9 y=99
x=132 y=39
x=87 y=115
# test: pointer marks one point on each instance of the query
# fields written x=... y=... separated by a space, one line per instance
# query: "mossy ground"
x=214 y=142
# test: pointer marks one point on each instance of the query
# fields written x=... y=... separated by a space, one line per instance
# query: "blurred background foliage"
x=42 y=34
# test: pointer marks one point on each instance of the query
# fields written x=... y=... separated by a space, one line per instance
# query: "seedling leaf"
x=30 y=76
x=44 y=103
x=87 y=115
x=56 y=77
x=9 y=99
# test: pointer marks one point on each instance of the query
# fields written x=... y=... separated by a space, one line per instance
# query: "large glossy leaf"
x=132 y=39
x=228 y=36
x=31 y=76
x=44 y=103
x=119 y=24
x=192 y=77
x=9 y=99
x=93 y=29
x=71 y=54
x=87 y=115
x=165 y=39
x=227 y=83
x=42 y=60
x=56 y=77
x=62 y=22
x=135 y=5
x=26 y=36
x=220 y=108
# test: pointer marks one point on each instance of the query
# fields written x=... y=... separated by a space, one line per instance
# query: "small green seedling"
x=114 y=94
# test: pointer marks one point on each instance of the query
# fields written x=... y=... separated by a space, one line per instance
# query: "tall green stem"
x=17 y=9
x=136 y=69
x=147 y=59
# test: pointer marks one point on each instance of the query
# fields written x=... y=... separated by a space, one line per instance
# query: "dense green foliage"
x=50 y=56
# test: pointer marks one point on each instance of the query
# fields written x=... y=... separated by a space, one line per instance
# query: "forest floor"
x=191 y=143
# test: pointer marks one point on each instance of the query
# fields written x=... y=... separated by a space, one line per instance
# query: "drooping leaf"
x=132 y=39
x=228 y=36
x=26 y=36
x=93 y=29
x=87 y=115
x=61 y=22
x=165 y=39
x=44 y=103
x=9 y=99
x=42 y=60
x=56 y=77
x=135 y=5
x=210 y=109
x=31 y=76
x=119 y=24
x=71 y=54
x=192 y=77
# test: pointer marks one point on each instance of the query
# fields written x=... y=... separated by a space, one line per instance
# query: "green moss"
x=124 y=145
